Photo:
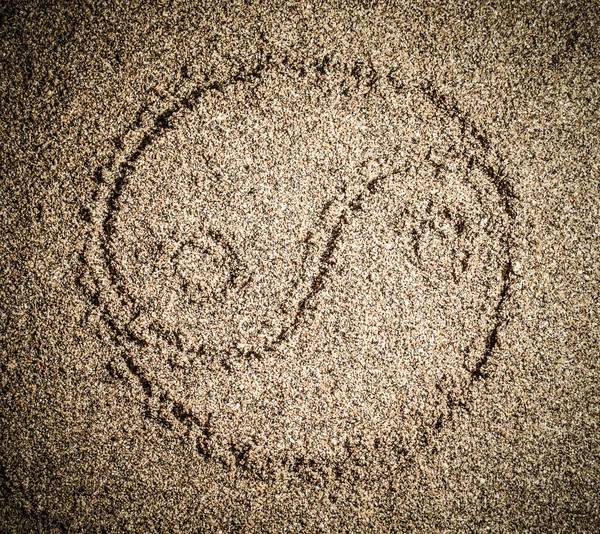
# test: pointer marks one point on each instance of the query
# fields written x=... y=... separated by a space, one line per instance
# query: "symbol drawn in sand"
x=263 y=221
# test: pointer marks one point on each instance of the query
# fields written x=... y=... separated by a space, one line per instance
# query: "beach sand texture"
x=313 y=268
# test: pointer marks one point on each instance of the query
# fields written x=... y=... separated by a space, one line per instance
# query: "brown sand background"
x=318 y=268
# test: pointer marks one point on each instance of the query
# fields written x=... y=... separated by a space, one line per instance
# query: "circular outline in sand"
x=112 y=179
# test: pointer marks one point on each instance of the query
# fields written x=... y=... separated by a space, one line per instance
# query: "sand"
x=314 y=268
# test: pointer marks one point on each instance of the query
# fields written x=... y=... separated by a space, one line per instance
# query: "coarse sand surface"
x=313 y=267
